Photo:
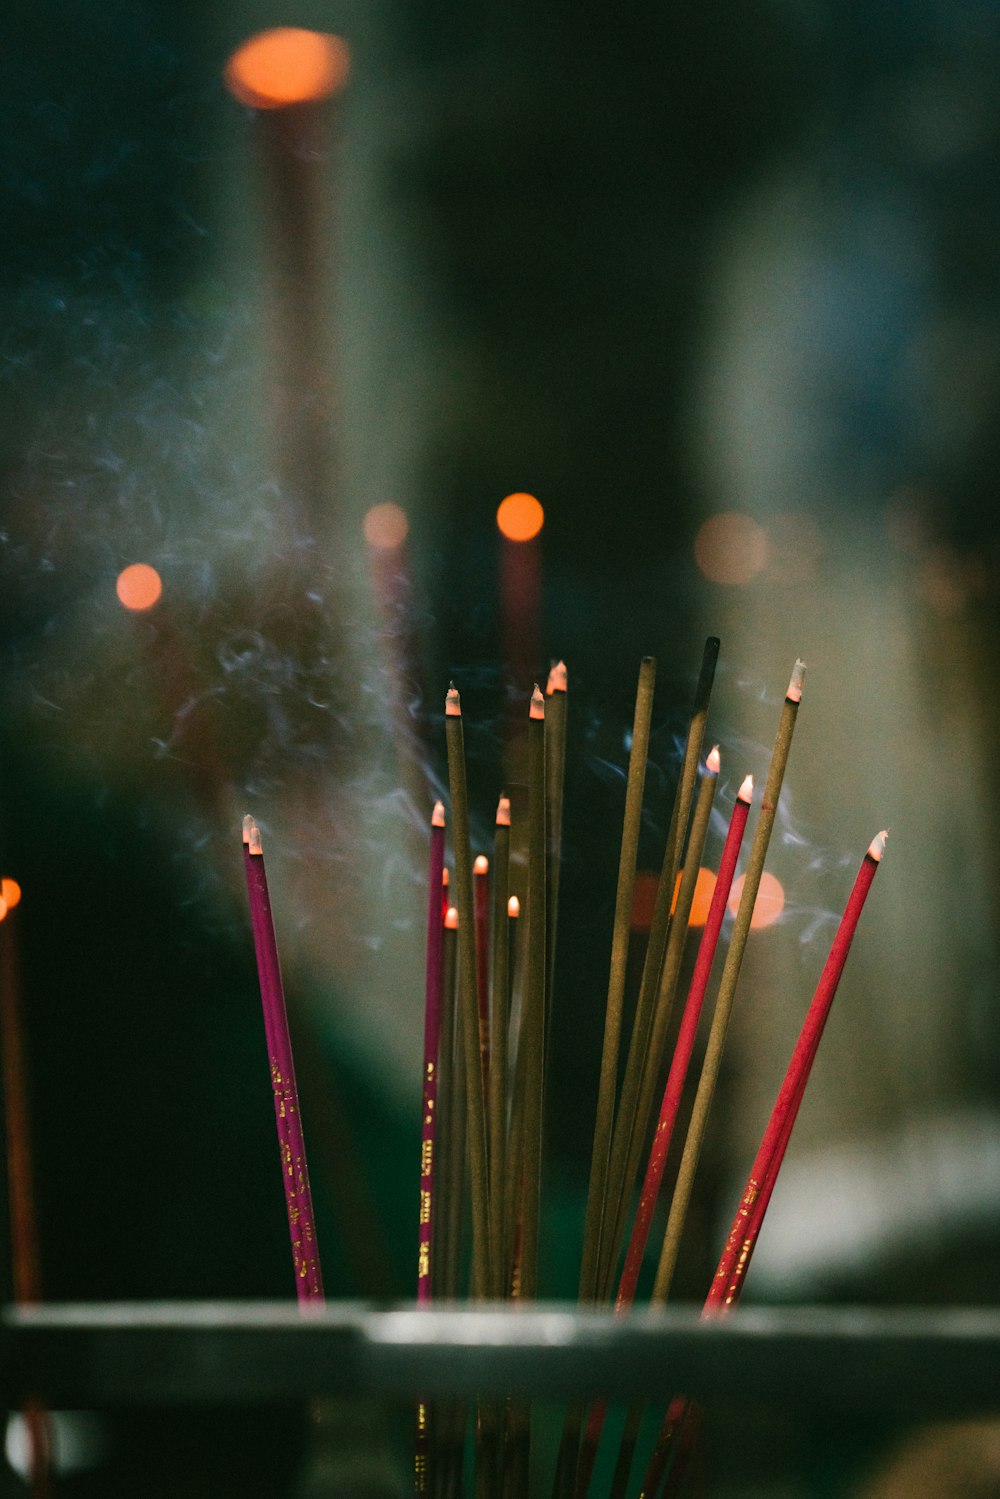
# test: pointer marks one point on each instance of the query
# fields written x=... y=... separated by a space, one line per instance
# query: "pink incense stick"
x=291 y=1144
x=432 y=1034
x=671 y=1103
x=730 y=1275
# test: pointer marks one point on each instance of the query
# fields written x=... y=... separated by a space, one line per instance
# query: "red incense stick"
x=730 y=1275
x=728 y=1278
x=295 y=1173
x=432 y=1033
x=671 y=1103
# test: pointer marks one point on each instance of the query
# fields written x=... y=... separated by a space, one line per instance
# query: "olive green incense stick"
x=499 y=1021
x=451 y=1127
x=533 y=1015
x=727 y=987
x=656 y=947
x=468 y=1003
x=630 y=1146
x=556 y=705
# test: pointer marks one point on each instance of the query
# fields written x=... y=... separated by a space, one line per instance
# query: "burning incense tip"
x=713 y=763
x=503 y=812
x=558 y=678
x=513 y=906
x=537 y=709
x=451 y=918
x=437 y=816
x=745 y=793
x=877 y=846
x=794 y=693
x=287 y=65
x=481 y=864
x=453 y=703
x=445 y=878
x=251 y=835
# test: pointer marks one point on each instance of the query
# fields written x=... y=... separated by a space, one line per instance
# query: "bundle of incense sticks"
x=490 y=1072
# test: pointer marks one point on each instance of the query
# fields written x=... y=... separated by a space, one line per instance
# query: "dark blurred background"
x=658 y=270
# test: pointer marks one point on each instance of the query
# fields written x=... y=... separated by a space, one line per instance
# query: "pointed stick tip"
x=713 y=761
x=503 y=812
x=877 y=846
x=794 y=693
x=745 y=793
x=537 y=709
x=453 y=702
x=558 y=679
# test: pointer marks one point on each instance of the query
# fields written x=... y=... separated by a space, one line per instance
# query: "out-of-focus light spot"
x=947 y=580
x=647 y=883
x=794 y=548
x=10 y=893
x=287 y=65
x=704 y=888
x=3 y=909
x=731 y=548
x=769 y=904
x=520 y=517
x=139 y=586
x=386 y=526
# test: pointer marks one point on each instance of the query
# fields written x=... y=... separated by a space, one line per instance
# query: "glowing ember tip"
x=445 y=877
x=558 y=678
x=537 y=709
x=437 y=816
x=745 y=793
x=877 y=846
x=481 y=865
x=513 y=906
x=714 y=761
x=138 y=587
x=453 y=703
x=287 y=65
x=251 y=835
x=451 y=919
x=794 y=693
x=503 y=812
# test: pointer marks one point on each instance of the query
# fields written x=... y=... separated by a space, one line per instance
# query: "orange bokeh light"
x=10 y=893
x=520 y=517
x=287 y=65
x=386 y=526
x=704 y=889
x=731 y=548
x=3 y=909
x=139 y=586
x=769 y=904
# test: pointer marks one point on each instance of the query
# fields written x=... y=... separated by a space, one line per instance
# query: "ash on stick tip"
x=713 y=762
x=251 y=835
x=745 y=793
x=503 y=812
x=558 y=679
x=513 y=907
x=537 y=709
x=451 y=919
x=877 y=846
x=437 y=816
x=453 y=703
x=481 y=865
x=794 y=693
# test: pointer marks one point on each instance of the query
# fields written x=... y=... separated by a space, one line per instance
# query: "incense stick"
x=728 y=1279
x=481 y=905
x=730 y=1275
x=467 y=997
x=555 y=779
x=670 y=1105
x=649 y=984
x=499 y=1021
x=294 y=1170
x=432 y=1033
x=533 y=1019
x=727 y=987
x=629 y=1143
